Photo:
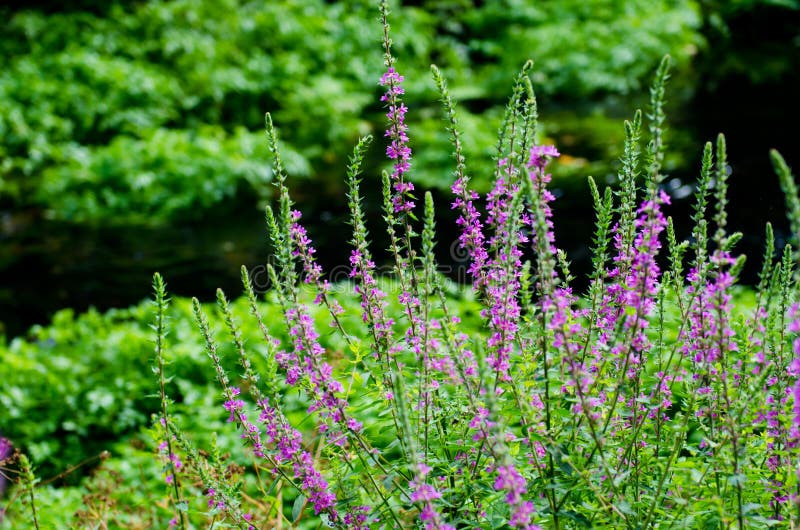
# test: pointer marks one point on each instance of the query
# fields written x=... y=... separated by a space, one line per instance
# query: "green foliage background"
x=153 y=111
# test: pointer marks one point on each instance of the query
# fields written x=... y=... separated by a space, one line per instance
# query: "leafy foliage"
x=149 y=111
x=74 y=388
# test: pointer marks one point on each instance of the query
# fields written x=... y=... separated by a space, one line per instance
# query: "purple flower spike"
x=424 y=494
x=306 y=359
x=373 y=299
x=793 y=371
x=288 y=443
x=5 y=452
x=398 y=149
x=510 y=481
x=304 y=250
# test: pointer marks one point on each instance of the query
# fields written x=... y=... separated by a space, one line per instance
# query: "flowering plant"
x=646 y=402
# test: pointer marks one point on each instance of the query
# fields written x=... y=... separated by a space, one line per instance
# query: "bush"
x=149 y=98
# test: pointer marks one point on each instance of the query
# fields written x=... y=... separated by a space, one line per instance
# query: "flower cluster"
x=510 y=481
x=503 y=271
x=709 y=335
x=305 y=251
x=793 y=371
x=373 y=299
x=556 y=408
x=397 y=132
x=306 y=359
x=214 y=502
x=288 y=444
x=175 y=461
x=5 y=452
x=629 y=299
x=542 y=220
x=356 y=518
x=235 y=408
x=471 y=238
x=424 y=493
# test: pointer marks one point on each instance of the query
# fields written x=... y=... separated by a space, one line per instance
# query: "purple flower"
x=306 y=359
x=304 y=250
x=288 y=444
x=540 y=156
x=398 y=149
x=630 y=297
x=373 y=299
x=424 y=493
x=5 y=452
x=213 y=501
x=793 y=371
x=542 y=223
x=510 y=481
x=356 y=518
x=173 y=461
x=233 y=405
x=471 y=239
x=393 y=79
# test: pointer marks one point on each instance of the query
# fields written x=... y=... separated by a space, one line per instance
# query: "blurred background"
x=131 y=132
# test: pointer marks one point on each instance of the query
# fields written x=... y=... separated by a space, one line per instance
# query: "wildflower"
x=568 y=335
x=510 y=481
x=356 y=518
x=305 y=251
x=471 y=238
x=630 y=297
x=289 y=450
x=793 y=371
x=480 y=420
x=213 y=501
x=163 y=449
x=306 y=359
x=373 y=299
x=233 y=405
x=709 y=335
x=397 y=132
x=425 y=493
x=502 y=272
x=540 y=155
x=542 y=222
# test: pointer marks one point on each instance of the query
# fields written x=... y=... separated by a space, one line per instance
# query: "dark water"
x=51 y=265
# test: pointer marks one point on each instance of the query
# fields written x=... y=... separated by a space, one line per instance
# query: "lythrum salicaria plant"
x=648 y=401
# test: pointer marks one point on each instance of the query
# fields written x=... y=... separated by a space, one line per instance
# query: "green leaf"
x=297 y=507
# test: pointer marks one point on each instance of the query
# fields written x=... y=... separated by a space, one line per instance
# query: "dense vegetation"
x=153 y=111
x=151 y=114
x=72 y=388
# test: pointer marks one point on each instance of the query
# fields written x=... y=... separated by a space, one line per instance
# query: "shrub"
x=85 y=128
